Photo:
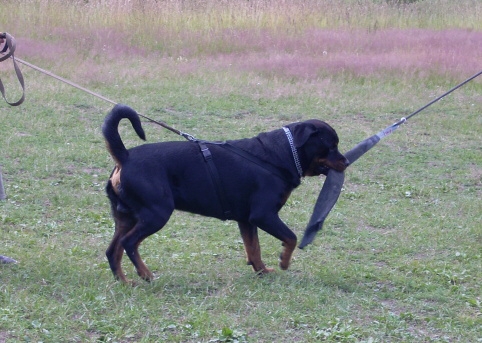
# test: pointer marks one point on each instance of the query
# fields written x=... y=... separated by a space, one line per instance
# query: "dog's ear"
x=302 y=132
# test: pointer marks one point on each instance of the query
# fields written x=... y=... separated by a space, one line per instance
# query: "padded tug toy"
x=334 y=180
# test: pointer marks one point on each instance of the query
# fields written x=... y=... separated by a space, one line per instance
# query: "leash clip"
x=189 y=137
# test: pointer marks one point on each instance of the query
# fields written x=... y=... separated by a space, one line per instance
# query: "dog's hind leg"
x=150 y=221
x=249 y=233
x=123 y=224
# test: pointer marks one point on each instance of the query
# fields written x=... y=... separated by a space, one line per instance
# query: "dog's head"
x=317 y=145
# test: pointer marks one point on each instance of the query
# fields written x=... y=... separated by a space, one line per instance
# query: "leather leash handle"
x=9 y=51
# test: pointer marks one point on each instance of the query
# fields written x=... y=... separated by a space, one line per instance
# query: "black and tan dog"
x=246 y=180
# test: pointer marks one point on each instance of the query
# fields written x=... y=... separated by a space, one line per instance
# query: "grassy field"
x=399 y=259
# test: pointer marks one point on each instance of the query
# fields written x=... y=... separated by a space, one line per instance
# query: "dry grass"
x=151 y=18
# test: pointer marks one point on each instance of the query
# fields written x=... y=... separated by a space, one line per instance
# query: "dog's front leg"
x=249 y=233
x=289 y=246
x=273 y=225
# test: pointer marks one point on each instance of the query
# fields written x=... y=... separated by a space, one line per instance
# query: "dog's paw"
x=264 y=271
x=284 y=265
x=126 y=282
x=284 y=261
x=285 y=256
x=147 y=277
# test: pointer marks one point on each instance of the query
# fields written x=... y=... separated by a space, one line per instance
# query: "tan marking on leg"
x=249 y=234
x=141 y=268
x=115 y=251
x=289 y=247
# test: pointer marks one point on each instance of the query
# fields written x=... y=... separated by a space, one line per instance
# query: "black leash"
x=404 y=119
x=443 y=95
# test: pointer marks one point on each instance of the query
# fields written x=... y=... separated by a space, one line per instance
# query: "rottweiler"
x=246 y=180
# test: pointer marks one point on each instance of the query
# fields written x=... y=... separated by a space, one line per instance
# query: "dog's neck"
x=294 y=152
x=272 y=148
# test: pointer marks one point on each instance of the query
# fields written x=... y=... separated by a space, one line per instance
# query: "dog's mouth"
x=323 y=165
x=339 y=165
x=323 y=169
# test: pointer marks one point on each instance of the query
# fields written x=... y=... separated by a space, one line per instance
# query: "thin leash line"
x=443 y=95
x=75 y=85
x=404 y=119
x=46 y=72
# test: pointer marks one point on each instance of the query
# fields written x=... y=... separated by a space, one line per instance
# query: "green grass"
x=399 y=258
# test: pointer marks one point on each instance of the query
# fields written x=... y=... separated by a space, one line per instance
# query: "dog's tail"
x=111 y=133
